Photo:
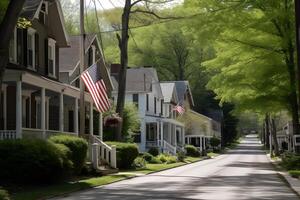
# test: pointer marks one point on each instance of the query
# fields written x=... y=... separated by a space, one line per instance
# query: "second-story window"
x=135 y=99
x=147 y=102
x=13 y=47
x=51 y=57
x=154 y=105
x=43 y=13
x=31 y=48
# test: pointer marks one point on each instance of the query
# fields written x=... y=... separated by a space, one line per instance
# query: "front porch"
x=199 y=141
x=35 y=106
x=165 y=134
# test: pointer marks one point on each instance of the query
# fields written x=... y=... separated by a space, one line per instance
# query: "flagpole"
x=81 y=69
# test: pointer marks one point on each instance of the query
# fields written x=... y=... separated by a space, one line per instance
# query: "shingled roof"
x=182 y=87
x=141 y=79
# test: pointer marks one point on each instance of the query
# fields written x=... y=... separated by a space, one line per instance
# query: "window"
x=51 y=57
x=154 y=105
x=147 y=102
x=13 y=47
x=135 y=99
x=31 y=48
x=43 y=13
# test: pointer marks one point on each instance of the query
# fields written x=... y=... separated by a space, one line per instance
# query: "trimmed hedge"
x=4 y=195
x=31 y=160
x=153 y=151
x=192 y=151
x=126 y=154
x=78 y=149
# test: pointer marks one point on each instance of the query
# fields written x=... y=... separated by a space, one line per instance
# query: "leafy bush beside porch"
x=32 y=160
x=126 y=154
x=4 y=195
x=78 y=149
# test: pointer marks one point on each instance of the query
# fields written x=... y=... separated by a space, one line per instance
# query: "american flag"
x=96 y=86
x=179 y=109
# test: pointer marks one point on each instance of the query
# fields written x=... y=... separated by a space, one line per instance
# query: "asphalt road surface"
x=242 y=174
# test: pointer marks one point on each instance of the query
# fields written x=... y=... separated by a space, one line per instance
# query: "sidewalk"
x=294 y=183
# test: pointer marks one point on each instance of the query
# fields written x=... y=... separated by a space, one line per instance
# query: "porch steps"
x=102 y=170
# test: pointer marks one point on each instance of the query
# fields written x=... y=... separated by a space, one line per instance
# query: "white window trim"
x=31 y=32
x=14 y=56
x=52 y=42
x=36 y=15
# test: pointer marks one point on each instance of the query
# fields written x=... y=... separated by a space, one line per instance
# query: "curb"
x=293 y=183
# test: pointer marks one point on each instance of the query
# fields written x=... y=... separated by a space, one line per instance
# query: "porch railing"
x=8 y=134
x=101 y=151
x=168 y=148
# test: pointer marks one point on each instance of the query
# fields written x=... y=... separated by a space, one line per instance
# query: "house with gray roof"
x=39 y=100
x=155 y=102
x=198 y=128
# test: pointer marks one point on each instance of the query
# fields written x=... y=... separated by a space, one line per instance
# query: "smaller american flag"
x=96 y=86
x=179 y=109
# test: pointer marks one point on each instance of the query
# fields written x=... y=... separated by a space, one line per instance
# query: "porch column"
x=175 y=135
x=76 y=130
x=5 y=107
x=19 y=109
x=183 y=135
x=157 y=132
x=169 y=139
x=143 y=136
x=201 y=148
x=43 y=113
x=162 y=133
x=91 y=119
x=100 y=126
x=61 y=112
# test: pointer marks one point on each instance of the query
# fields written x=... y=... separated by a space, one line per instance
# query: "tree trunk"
x=123 y=45
x=274 y=137
x=267 y=138
x=7 y=26
x=297 y=19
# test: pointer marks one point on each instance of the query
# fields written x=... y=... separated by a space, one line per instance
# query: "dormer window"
x=31 y=48
x=43 y=13
x=51 y=57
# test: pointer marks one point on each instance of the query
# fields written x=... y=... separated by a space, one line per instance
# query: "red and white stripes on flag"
x=179 y=109
x=96 y=86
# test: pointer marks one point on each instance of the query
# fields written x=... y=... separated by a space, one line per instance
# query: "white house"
x=158 y=126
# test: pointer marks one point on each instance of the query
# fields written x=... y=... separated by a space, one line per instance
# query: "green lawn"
x=32 y=193
x=42 y=192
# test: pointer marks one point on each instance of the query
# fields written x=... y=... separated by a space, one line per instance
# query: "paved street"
x=242 y=174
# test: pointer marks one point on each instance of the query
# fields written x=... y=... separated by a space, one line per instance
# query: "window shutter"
x=36 y=50
x=19 y=46
x=25 y=47
x=46 y=56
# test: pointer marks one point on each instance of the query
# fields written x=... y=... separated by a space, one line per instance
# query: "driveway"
x=242 y=174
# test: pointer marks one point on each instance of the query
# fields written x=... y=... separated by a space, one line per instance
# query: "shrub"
x=153 y=151
x=155 y=160
x=4 y=195
x=139 y=162
x=215 y=142
x=171 y=159
x=126 y=154
x=294 y=173
x=30 y=161
x=180 y=156
x=78 y=147
x=163 y=158
x=192 y=151
x=131 y=121
x=290 y=161
x=147 y=156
